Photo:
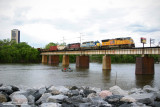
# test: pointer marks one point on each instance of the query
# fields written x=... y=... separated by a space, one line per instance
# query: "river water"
x=36 y=75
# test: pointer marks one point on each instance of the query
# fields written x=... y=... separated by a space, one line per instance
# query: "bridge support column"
x=144 y=65
x=65 y=60
x=53 y=59
x=82 y=61
x=106 y=62
x=44 y=59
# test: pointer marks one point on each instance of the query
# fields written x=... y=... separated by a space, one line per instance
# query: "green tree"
x=50 y=44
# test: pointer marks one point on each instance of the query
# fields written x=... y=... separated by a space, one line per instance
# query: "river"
x=36 y=75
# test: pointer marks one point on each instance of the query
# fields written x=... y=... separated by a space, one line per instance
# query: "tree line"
x=11 y=52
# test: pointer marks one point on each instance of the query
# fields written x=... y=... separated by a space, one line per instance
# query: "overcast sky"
x=44 y=21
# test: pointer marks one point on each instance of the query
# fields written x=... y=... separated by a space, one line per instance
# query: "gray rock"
x=116 y=90
x=6 y=89
x=97 y=101
x=143 y=97
x=56 y=98
x=72 y=93
x=50 y=105
x=114 y=100
x=61 y=89
x=92 y=95
x=19 y=99
x=149 y=89
x=85 y=105
x=43 y=98
x=146 y=101
x=14 y=88
x=42 y=90
x=97 y=90
x=135 y=91
x=31 y=100
x=7 y=104
x=86 y=92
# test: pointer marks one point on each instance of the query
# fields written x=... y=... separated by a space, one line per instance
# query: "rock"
x=59 y=89
x=14 y=88
x=50 y=105
x=143 y=96
x=135 y=91
x=6 y=89
x=56 y=98
x=7 y=104
x=31 y=100
x=85 y=105
x=156 y=104
x=92 y=95
x=72 y=93
x=114 y=100
x=42 y=90
x=3 y=97
x=43 y=98
x=73 y=88
x=103 y=94
x=19 y=99
x=37 y=95
x=55 y=92
x=125 y=105
x=97 y=90
x=127 y=99
x=25 y=93
x=86 y=92
x=149 y=89
x=116 y=90
x=1 y=84
x=97 y=101
x=146 y=101
x=73 y=101
x=137 y=104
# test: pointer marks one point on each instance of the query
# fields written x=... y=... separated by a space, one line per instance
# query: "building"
x=15 y=35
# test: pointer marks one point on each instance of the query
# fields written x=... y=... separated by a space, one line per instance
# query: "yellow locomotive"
x=126 y=42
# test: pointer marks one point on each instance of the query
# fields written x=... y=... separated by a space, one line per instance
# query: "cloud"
x=41 y=22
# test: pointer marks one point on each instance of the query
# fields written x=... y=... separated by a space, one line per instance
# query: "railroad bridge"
x=144 y=64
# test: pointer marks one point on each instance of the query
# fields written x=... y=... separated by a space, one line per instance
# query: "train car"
x=73 y=46
x=61 y=47
x=118 y=43
x=53 y=48
x=90 y=45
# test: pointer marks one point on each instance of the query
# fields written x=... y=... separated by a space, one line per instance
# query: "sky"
x=44 y=21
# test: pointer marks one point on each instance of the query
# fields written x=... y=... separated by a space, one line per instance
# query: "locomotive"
x=126 y=42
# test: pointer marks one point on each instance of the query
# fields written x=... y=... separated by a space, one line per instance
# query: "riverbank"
x=73 y=96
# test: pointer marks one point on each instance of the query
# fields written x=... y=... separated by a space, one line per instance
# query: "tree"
x=50 y=44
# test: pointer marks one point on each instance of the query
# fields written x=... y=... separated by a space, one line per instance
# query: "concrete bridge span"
x=134 y=51
x=144 y=64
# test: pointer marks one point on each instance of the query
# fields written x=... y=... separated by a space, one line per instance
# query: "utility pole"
x=80 y=37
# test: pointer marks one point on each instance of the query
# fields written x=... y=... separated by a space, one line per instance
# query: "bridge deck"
x=133 y=51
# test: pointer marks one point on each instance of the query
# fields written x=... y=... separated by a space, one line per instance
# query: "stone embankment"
x=61 y=96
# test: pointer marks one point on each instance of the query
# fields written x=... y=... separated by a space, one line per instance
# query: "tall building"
x=15 y=35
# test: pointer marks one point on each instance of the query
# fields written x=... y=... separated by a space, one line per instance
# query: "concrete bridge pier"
x=144 y=65
x=44 y=59
x=106 y=62
x=53 y=59
x=82 y=61
x=65 y=60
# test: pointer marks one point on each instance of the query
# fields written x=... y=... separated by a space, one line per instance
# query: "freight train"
x=126 y=42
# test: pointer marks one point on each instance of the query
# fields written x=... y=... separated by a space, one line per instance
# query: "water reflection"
x=142 y=80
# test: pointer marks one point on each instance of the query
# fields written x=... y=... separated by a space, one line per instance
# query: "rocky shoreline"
x=73 y=96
